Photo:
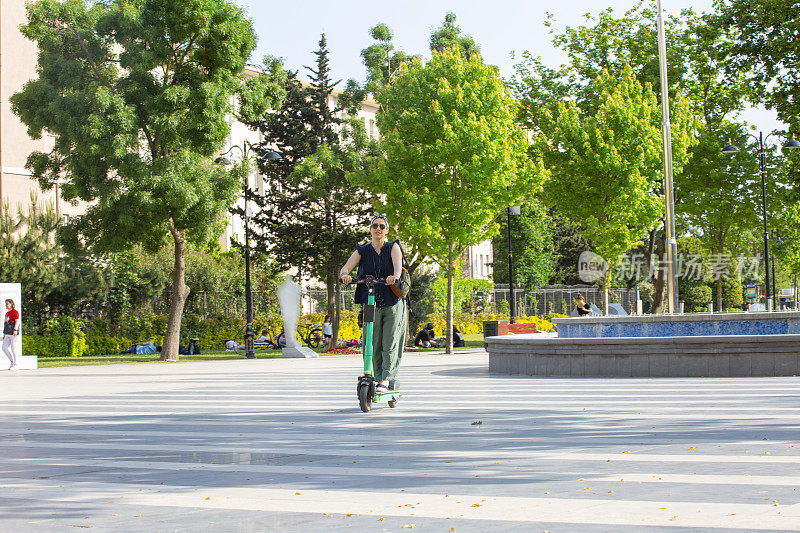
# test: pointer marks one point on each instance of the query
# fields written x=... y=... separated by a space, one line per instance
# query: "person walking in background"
x=10 y=331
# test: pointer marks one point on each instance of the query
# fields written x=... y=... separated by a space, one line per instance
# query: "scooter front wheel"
x=364 y=397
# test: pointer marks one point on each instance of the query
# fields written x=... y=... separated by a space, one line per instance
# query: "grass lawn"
x=471 y=341
x=210 y=355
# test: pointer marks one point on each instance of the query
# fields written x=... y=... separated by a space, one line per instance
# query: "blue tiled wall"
x=681 y=329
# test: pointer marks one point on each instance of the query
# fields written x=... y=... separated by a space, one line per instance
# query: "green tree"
x=381 y=59
x=531 y=245
x=136 y=94
x=449 y=35
x=763 y=36
x=694 y=285
x=453 y=156
x=711 y=193
x=568 y=245
x=606 y=164
x=312 y=216
x=52 y=281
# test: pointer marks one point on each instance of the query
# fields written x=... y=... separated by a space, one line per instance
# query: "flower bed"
x=341 y=351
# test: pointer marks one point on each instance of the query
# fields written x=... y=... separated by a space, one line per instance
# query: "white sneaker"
x=12 y=367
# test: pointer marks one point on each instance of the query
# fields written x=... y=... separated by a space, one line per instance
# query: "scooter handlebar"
x=368 y=279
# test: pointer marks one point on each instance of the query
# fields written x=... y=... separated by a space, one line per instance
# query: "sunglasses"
x=379 y=226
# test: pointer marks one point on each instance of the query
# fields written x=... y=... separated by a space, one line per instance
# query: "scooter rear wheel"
x=392 y=403
x=364 y=398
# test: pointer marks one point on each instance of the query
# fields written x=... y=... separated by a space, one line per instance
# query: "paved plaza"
x=281 y=445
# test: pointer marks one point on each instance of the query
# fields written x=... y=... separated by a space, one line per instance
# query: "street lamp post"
x=249 y=346
x=512 y=304
x=762 y=164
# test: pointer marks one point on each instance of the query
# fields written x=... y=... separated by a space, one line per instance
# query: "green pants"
x=388 y=334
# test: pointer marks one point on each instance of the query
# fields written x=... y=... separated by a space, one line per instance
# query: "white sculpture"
x=289 y=299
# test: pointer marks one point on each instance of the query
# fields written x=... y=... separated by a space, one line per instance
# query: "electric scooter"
x=366 y=383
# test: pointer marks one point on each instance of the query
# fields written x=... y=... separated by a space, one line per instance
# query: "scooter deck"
x=386 y=396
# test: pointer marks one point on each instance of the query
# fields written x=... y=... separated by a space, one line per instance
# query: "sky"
x=501 y=28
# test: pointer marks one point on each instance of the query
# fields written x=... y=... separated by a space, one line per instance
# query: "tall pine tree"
x=311 y=217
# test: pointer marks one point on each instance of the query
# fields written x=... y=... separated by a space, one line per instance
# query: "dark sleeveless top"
x=380 y=266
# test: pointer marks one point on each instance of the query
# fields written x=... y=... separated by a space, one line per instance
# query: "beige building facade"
x=17 y=66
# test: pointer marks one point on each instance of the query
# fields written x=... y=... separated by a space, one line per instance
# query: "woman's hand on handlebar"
x=346 y=279
x=390 y=280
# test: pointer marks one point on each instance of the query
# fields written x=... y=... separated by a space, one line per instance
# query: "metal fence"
x=561 y=299
x=214 y=303
x=529 y=302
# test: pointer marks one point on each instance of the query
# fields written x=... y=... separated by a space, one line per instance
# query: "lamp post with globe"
x=249 y=347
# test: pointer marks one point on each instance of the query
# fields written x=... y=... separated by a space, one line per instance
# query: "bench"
x=517 y=329
x=493 y=328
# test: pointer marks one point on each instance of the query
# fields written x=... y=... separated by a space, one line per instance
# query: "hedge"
x=473 y=323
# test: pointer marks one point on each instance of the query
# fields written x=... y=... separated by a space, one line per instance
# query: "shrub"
x=52 y=345
x=66 y=338
x=106 y=344
x=473 y=324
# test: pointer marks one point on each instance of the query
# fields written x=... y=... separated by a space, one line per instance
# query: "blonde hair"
x=10 y=301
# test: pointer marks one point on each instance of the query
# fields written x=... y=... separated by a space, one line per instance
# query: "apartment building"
x=17 y=66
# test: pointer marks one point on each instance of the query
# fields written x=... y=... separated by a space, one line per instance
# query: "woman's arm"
x=17 y=326
x=397 y=263
x=352 y=262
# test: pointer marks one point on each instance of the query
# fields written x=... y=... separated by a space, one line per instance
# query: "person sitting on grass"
x=233 y=346
x=426 y=337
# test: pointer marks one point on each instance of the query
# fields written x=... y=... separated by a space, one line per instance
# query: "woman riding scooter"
x=381 y=259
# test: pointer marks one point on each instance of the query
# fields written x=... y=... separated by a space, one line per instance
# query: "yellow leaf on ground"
x=476 y=505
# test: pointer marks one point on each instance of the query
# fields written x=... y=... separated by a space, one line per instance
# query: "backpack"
x=401 y=288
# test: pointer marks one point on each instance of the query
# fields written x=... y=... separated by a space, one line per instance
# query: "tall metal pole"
x=666 y=132
x=249 y=347
x=512 y=306
x=775 y=296
x=762 y=163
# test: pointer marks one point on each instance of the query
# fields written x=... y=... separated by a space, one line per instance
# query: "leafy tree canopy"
x=137 y=93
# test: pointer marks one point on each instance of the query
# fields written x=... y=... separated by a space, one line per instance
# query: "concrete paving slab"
x=281 y=445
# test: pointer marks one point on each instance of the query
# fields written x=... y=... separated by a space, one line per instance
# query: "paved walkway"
x=281 y=445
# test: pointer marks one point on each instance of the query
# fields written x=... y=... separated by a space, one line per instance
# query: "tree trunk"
x=656 y=247
x=658 y=293
x=719 y=294
x=169 y=352
x=449 y=321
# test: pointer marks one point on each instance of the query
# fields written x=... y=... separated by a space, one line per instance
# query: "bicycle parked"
x=311 y=335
